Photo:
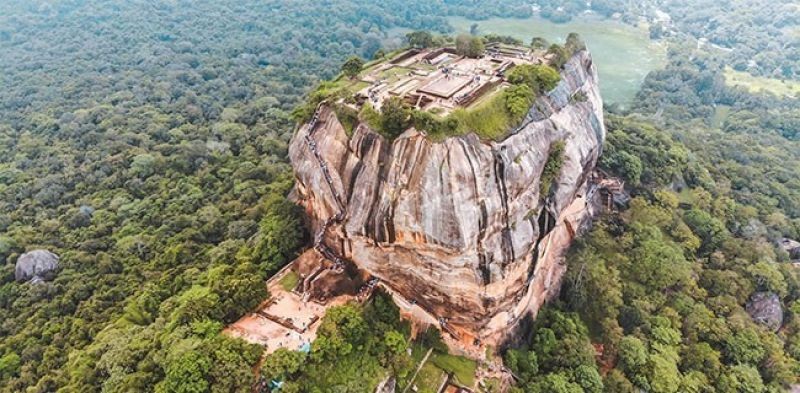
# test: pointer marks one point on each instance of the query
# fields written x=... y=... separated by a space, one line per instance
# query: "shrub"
x=394 y=118
x=538 y=77
x=552 y=167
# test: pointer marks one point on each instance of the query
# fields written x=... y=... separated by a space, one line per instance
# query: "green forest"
x=145 y=143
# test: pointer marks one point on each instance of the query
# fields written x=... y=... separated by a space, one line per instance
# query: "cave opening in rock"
x=546 y=223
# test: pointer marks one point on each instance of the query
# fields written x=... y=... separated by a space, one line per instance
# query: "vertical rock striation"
x=457 y=227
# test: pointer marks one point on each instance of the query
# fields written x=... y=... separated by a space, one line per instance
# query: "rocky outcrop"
x=457 y=227
x=36 y=266
x=792 y=247
x=765 y=308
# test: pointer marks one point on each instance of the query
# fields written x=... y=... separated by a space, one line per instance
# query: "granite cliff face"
x=458 y=227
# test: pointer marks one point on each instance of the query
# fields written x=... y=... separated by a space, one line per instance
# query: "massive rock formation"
x=457 y=227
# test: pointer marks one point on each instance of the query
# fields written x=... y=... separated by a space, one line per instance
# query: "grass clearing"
x=489 y=120
x=760 y=84
x=289 y=281
x=721 y=113
x=463 y=369
x=358 y=86
x=394 y=74
x=429 y=378
x=418 y=352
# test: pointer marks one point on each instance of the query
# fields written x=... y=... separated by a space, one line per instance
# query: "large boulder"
x=765 y=308
x=36 y=265
x=792 y=247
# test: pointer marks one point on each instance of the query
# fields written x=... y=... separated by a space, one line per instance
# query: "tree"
x=342 y=330
x=240 y=289
x=559 y=56
x=766 y=277
x=432 y=338
x=711 y=230
x=518 y=100
x=574 y=43
x=744 y=347
x=352 y=67
x=196 y=304
x=627 y=165
x=552 y=168
x=144 y=165
x=632 y=357
x=395 y=355
x=282 y=364
x=419 y=39
x=740 y=379
x=703 y=358
x=185 y=373
x=656 y=262
x=615 y=382
x=394 y=118
x=663 y=374
x=539 y=43
x=596 y=290
x=564 y=344
x=555 y=383
x=9 y=365
x=233 y=360
x=523 y=363
x=588 y=378
x=281 y=233
x=469 y=46
x=539 y=78
x=694 y=382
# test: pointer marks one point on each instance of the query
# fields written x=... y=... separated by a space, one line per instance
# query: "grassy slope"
x=758 y=84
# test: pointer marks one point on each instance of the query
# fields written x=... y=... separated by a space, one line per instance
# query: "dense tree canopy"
x=146 y=144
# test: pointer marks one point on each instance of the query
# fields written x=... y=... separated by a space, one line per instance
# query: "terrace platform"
x=290 y=318
x=438 y=79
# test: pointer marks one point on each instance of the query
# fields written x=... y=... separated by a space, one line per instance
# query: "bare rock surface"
x=36 y=266
x=766 y=309
x=453 y=226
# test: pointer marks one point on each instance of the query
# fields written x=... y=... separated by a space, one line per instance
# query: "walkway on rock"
x=319 y=245
x=338 y=218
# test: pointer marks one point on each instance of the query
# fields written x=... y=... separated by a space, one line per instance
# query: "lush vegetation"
x=750 y=33
x=552 y=168
x=496 y=116
x=145 y=143
x=355 y=349
x=491 y=119
x=660 y=289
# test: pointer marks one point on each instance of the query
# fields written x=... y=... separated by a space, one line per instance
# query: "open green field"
x=760 y=84
x=438 y=365
x=429 y=378
x=624 y=54
x=463 y=369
